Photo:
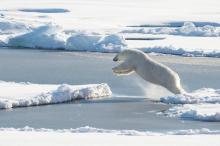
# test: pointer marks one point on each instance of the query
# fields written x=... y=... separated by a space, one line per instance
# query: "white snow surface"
x=27 y=94
x=202 y=104
x=52 y=36
x=21 y=22
x=47 y=37
x=88 y=129
x=87 y=136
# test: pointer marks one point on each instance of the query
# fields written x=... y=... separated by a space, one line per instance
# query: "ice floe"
x=96 y=43
x=47 y=37
x=202 y=105
x=204 y=95
x=27 y=94
x=201 y=112
x=188 y=29
x=52 y=36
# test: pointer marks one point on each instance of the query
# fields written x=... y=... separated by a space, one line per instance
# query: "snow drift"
x=29 y=136
x=13 y=27
x=96 y=43
x=88 y=129
x=47 y=37
x=26 y=94
x=202 y=105
x=53 y=37
x=188 y=29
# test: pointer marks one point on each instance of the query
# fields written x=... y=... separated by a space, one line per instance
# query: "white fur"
x=148 y=69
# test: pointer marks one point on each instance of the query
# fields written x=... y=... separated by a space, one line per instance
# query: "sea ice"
x=47 y=37
x=188 y=29
x=202 y=105
x=52 y=36
x=13 y=27
x=201 y=112
x=27 y=94
x=204 y=95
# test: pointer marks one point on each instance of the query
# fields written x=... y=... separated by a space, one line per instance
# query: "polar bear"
x=150 y=70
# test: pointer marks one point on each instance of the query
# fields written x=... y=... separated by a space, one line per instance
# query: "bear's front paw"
x=121 y=71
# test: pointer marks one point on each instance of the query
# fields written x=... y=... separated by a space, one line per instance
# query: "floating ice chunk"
x=202 y=104
x=204 y=95
x=26 y=94
x=201 y=112
x=48 y=37
x=188 y=28
x=45 y=10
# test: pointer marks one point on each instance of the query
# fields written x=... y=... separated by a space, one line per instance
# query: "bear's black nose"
x=115 y=58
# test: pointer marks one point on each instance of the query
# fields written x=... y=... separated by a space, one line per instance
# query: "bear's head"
x=124 y=55
x=127 y=57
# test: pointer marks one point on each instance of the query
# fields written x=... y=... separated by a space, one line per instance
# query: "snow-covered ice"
x=95 y=25
x=201 y=112
x=51 y=36
x=204 y=95
x=12 y=27
x=48 y=36
x=20 y=20
x=181 y=51
x=86 y=136
x=188 y=29
x=27 y=94
x=96 y=43
x=88 y=129
x=202 y=104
